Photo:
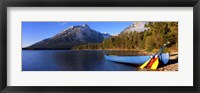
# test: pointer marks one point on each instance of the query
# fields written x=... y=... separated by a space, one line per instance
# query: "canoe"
x=135 y=59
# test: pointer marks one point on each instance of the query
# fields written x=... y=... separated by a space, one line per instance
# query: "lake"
x=70 y=60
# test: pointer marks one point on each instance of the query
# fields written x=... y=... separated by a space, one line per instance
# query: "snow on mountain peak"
x=85 y=25
x=136 y=26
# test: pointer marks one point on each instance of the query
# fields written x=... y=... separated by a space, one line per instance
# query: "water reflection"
x=70 y=60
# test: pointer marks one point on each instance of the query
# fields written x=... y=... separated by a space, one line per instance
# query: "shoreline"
x=172 y=65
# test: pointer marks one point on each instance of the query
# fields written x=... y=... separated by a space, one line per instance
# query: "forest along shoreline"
x=146 y=42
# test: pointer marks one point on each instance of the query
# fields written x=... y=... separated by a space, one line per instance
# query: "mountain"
x=106 y=35
x=137 y=26
x=70 y=37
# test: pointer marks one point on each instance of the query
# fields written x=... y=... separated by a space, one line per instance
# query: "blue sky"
x=33 y=32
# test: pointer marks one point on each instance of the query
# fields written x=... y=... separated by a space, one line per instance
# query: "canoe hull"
x=136 y=59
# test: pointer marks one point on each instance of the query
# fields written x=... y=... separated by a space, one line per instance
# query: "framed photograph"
x=100 y=46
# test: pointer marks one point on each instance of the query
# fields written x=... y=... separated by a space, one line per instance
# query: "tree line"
x=153 y=38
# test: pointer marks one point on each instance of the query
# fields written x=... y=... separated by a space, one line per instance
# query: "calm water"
x=70 y=60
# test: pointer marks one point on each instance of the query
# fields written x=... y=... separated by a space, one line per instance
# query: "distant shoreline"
x=140 y=52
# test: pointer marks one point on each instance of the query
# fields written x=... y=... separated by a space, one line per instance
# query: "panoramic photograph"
x=99 y=46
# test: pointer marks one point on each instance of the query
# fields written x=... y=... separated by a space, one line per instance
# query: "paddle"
x=160 y=51
x=153 y=62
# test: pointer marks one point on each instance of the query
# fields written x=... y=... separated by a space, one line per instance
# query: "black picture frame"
x=101 y=3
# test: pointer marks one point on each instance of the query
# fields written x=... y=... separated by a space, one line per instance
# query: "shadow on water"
x=172 y=61
x=125 y=52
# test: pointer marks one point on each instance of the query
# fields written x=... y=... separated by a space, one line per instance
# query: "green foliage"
x=153 y=38
x=150 y=43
